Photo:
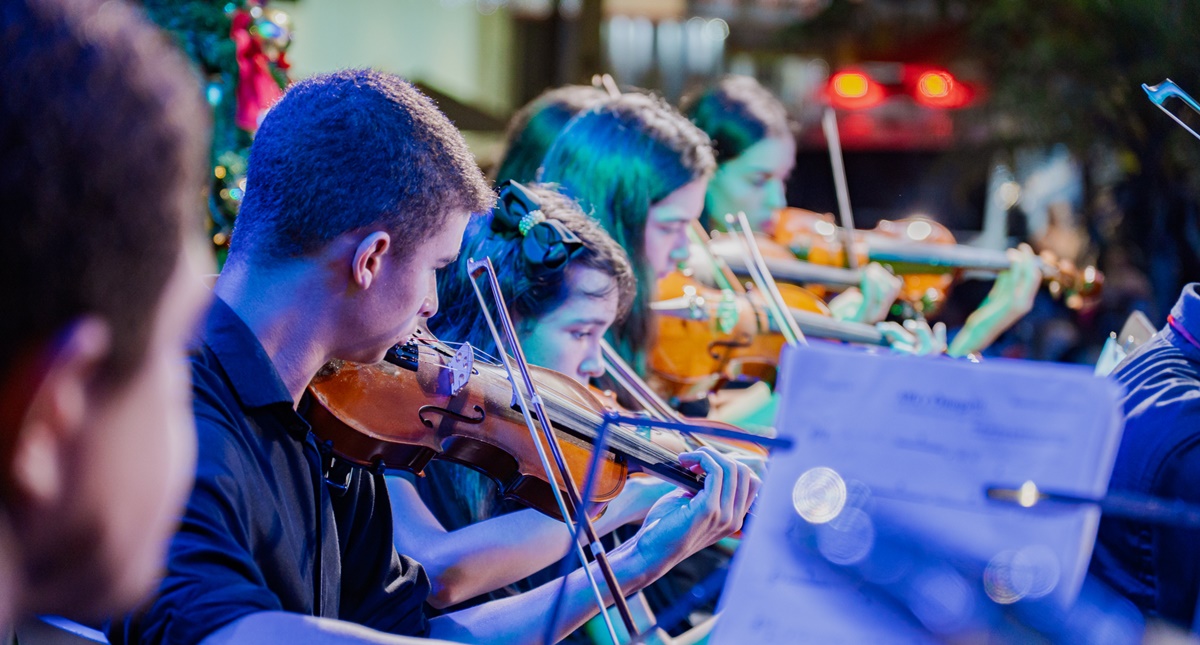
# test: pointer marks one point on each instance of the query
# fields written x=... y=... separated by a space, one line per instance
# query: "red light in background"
x=854 y=90
x=935 y=85
x=851 y=85
x=939 y=89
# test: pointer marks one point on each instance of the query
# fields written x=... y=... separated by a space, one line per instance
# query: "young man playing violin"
x=358 y=191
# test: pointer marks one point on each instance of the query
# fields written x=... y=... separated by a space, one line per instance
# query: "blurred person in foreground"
x=1158 y=567
x=102 y=135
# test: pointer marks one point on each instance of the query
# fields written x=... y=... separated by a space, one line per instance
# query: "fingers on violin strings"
x=898 y=337
x=939 y=332
x=889 y=334
x=744 y=495
x=714 y=478
x=730 y=471
x=924 y=335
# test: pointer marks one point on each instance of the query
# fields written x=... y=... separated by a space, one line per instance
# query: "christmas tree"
x=239 y=49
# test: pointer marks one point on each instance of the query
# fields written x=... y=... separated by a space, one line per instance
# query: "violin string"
x=622 y=438
x=630 y=442
x=426 y=350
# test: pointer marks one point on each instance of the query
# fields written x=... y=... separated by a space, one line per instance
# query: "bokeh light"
x=851 y=85
x=848 y=538
x=1028 y=573
x=935 y=84
x=941 y=599
x=1028 y=494
x=819 y=495
x=918 y=231
x=1003 y=581
x=1010 y=193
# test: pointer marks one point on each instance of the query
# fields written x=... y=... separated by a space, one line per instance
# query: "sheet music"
x=915 y=441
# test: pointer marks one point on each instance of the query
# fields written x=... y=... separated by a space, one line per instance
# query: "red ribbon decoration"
x=257 y=89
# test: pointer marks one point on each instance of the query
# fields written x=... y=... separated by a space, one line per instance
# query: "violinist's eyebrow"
x=589 y=321
x=670 y=214
x=447 y=261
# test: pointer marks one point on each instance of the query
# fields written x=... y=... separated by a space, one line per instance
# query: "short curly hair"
x=103 y=135
x=348 y=150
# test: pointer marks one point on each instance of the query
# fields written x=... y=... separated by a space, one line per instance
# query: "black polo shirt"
x=263 y=530
x=1157 y=567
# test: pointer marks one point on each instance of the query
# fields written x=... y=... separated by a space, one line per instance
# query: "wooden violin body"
x=705 y=335
x=415 y=406
x=815 y=238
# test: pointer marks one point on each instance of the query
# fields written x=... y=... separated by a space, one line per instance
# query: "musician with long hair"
x=534 y=127
x=641 y=170
x=565 y=282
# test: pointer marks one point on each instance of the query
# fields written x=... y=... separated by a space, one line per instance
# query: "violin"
x=708 y=336
x=427 y=401
x=924 y=254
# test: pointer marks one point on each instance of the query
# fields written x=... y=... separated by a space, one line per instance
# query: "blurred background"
x=1008 y=121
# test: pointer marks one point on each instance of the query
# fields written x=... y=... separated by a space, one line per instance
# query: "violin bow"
x=830 y=127
x=761 y=275
x=476 y=268
x=1167 y=90
x=605 y=82
x=647 y=398
x=629 y=381
x=723 y=275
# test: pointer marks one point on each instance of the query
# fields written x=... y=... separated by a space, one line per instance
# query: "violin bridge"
x=460 y=367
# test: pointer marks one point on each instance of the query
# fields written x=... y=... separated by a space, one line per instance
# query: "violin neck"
x=908 y=257
x=811 y=323
x=673 y=473
x=621 y=440
x=821 y=326
x=801 y=272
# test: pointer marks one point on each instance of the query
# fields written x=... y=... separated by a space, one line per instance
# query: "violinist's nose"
x=593 y=362
x=429 y=305
x=776 y=197
x=681 y=250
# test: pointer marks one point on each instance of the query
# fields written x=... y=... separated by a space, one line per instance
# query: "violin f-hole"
x=450 y=413
x=733 y=343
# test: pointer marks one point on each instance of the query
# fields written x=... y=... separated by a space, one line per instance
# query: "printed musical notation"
x=875 y=527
